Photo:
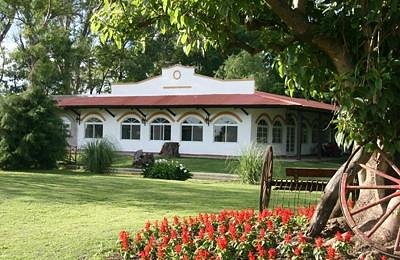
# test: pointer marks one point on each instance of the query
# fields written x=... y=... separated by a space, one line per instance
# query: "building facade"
x=206 y=116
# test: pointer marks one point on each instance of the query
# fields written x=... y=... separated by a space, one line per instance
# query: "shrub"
x=98 y=155
x=249 y=164
x=169 y=170
x=277 y=234
x=32 y=134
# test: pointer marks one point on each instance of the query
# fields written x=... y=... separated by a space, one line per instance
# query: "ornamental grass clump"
x=165 y=169
x=98 y=155
x=232 y=234
x=249 y=164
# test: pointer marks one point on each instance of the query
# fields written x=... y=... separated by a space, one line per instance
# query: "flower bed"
x=165 y=169
x=233 y=234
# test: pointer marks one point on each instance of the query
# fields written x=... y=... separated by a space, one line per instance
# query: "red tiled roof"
x=258 y=99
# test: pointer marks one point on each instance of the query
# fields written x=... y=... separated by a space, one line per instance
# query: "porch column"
x=319 y=137
x=299 y=133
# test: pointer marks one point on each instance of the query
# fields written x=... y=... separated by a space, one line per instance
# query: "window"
x=160 y=129
x=277 y=132
x=290 y=135
x=93 y=128
x=225 y=130
x=192 y=130
x=304 y=136
x=130 y=129
x=262 y=131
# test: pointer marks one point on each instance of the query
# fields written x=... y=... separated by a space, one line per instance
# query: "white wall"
x=188 y=83
x=112 y=130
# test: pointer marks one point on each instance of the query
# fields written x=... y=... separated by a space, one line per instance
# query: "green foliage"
x=249 y=164
x=31 y=133
x=169 y=170
x=98 y=155
x=257 y=66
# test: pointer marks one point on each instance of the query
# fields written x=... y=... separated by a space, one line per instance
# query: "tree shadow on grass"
x=124 y=191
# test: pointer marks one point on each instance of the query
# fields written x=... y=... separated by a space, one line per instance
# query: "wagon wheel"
x=390 y=191
x=266 y=179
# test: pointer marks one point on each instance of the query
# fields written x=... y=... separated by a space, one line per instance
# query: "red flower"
x=297 y=251
x=124 y=238
x=271 y=253
x=185 y=257
x=331 y=252
x=251 y=256
x=338 y=236
x=383 y=257
x=260 y=250
x=147 y=225
x=288 y=238
x=301 y=238
x=247 y=227
x=173 y=234
x=262 y=233
x=160 y=252
x=165 y=240
x=178 y=248
x=319 y=242
x=222 y=242
x=176 y=220
x=201 y=233
x=347 y=236
x=270 y=225
x=222 y=229
x=232 y=231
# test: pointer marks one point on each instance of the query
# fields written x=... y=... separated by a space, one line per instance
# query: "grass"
x=220 y=165
x=69 y=215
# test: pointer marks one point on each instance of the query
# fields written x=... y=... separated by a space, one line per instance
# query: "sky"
x=8 y=42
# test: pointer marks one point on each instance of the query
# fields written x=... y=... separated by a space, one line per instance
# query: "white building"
x=207 y=116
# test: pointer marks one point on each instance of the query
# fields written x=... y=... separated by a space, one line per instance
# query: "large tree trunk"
x=331 y=193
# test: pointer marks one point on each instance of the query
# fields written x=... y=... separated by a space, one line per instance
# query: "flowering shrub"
x=164 y=169
x=233 y=235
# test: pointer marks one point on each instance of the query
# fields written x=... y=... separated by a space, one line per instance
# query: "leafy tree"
x=32 y=134
x=257 y=66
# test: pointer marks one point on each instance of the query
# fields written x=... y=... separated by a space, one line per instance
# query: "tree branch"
x=305 y=31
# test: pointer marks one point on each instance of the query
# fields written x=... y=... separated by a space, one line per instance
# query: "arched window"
x=192 y=129
x=93 y=128
x=304 y=136
x=277 y=132
x=262 y=131
x=160 y=129
x=130 y=129
x=225 y=130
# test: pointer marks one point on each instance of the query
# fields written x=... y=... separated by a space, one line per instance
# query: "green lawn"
x=220 y=165
x=69 y=215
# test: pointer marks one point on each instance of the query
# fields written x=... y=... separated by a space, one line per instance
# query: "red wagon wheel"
x=390 y=192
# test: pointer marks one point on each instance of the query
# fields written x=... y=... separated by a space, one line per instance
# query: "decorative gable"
x=181 y=80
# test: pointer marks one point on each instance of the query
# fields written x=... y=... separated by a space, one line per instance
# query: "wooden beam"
x=109 y=112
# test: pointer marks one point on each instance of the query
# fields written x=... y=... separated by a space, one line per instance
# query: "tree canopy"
x=347 y=50
x=32 y=135
x=258 y=66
